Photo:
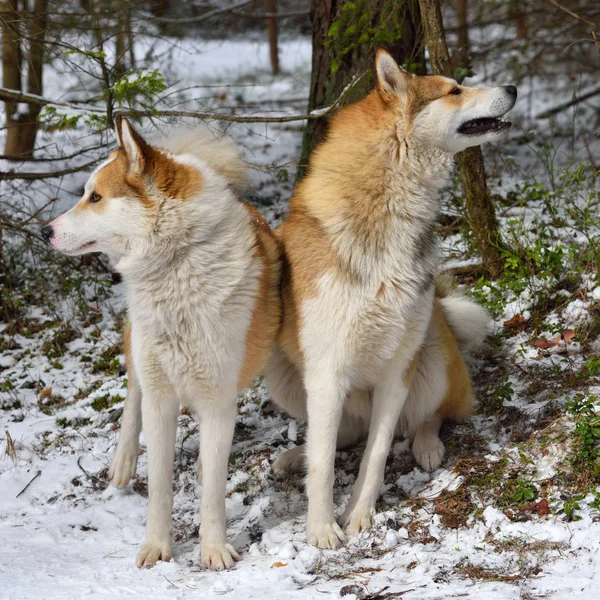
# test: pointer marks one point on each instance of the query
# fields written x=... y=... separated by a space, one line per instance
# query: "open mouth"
x=81 y=250
x=485 y=125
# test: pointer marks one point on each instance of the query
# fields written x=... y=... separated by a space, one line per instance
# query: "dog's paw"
x=428 y=452
x=123 y=466
x=218 y=556
x=291 y=461
x=325 y=535
x=152 y=552
x=357 y=519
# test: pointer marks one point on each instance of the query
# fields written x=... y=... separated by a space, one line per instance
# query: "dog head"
x=436 y=112
x=119 y=209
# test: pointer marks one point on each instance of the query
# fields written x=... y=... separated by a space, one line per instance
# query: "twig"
x=271 y=15
x=9 y=95
x=561 y=107
x=10 y=176
x=17 y=158
x=205 y=16
x=32 y=480
x=574 y=15
x=316 y=114
x=88 y=475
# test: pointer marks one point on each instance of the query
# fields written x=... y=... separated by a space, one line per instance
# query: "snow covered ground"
x=493 y=523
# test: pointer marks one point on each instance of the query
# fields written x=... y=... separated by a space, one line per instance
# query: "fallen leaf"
x=542 y=508
x=543 y=343
x=516 y=322
x=278 y=564
x=46 y=392
x=568 y=335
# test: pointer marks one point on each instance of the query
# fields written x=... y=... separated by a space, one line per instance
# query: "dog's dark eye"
x=456 y=92
x=95 y=197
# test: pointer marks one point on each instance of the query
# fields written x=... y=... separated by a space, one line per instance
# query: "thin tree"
x=480 y=209
x=345 y=36
x=21 y=129
x=271 y=6
x=461 y=57
x=11 y=68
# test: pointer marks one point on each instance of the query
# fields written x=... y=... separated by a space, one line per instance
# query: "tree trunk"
x=518 y=16
x=11 y=68
x=480 y=209
x=271 y=7
x=37 y=34
x=461 y=58
x=333 y=68
x=120 y=39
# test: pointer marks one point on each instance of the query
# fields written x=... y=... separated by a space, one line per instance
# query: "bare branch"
x=574 y=15
x=17 y=158
x=205 y=16
x=316 y=114
x=565 y=105
x=11 y=175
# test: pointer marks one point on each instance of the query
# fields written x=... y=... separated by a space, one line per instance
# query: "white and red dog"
x=201 y=272
x=370 y=346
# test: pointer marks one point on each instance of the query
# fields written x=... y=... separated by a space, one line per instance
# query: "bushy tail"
x=467 y=319
x=219 y=152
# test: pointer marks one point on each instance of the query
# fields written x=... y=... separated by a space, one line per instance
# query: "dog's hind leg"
x=124 y=462
x=427 y=448
x=352 y=430
x=217 y=422
x=160 y=409
x=285 y=385
x=286 y=388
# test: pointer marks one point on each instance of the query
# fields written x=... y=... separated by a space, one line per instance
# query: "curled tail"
x=220 y=152
x=468 y=320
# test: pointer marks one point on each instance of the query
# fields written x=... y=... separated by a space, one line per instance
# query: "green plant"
x=522 y=491
x=358 y=23
x=587 y=427
x=571 y=506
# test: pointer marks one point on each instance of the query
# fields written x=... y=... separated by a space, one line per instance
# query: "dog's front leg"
x=160 y=408
x=124 y=462
x=217 y=422
x=389 y=397
x=325 y=402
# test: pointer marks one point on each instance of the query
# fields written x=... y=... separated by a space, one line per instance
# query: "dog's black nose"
x=47 y=233
x=511 y=90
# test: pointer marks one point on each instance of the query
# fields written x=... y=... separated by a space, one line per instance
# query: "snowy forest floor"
x=513 y=513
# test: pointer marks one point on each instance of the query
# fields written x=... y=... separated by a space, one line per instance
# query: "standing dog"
x=367 y=346
x=201 y=273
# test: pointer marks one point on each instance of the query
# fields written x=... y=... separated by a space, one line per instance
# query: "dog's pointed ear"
x=391 y=79
x=133 y=143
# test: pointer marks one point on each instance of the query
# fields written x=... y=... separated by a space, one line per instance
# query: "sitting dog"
x=367 y=346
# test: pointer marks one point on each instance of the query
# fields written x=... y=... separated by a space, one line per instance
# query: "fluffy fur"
x=201 y=273
x=367 y=346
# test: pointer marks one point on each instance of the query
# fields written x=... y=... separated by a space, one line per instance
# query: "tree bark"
x=22 y=129
x=461 y=57
x=37 y=34
x=120 y=39
x=327 y=84
x=271 y=7
x=518 y=16
x=11 y=68
x=480 y=209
